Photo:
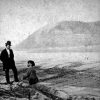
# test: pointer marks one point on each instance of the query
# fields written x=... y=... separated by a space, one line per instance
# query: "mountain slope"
x=64 y=34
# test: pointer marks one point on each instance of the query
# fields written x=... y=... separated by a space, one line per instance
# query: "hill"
x=63 y=35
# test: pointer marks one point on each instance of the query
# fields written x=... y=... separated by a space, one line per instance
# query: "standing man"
x=7 y=57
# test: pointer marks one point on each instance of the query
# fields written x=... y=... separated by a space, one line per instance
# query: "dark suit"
x=9 y=63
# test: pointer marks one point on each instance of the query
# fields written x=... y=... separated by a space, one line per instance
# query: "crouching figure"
x=31 y=73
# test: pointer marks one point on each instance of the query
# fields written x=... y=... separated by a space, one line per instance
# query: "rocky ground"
x=62 y=81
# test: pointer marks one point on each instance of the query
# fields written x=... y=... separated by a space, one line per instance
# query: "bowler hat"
x=8 y=43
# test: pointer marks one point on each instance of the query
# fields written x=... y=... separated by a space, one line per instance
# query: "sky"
x=20 y=18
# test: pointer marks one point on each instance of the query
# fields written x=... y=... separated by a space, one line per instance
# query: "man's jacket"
x=8 y=62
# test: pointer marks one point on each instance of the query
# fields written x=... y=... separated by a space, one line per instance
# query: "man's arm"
x=0 y=56
x=27 y=74
x=2 y=59
x=12 y=54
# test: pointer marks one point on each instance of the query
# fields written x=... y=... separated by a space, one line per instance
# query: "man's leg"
x=7 y=75
x=15 y=74
x=33 y=81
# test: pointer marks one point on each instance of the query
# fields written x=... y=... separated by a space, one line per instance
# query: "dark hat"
x=8 y=43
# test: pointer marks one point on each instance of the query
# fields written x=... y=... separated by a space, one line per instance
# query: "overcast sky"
x=19 y=18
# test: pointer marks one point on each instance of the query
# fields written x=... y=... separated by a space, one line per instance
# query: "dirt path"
x=76 y=78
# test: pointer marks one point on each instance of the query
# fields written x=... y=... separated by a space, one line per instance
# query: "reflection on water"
x=69 y=56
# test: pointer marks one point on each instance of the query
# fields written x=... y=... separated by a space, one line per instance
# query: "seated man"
x=31 y=73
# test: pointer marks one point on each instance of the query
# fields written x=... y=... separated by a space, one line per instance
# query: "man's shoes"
x=16 y=80
x=8 y=83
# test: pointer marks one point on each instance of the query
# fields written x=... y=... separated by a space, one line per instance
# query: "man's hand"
x=4 y=69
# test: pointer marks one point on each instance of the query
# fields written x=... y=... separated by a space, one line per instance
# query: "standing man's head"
x=30 y=63
x=8 y=44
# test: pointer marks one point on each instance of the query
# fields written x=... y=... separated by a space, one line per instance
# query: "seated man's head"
x=30 y=63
